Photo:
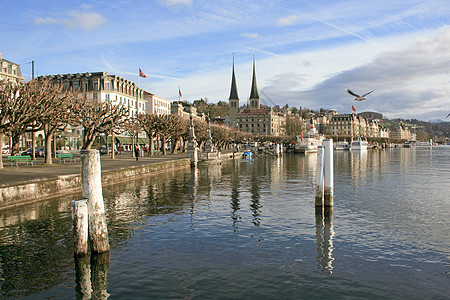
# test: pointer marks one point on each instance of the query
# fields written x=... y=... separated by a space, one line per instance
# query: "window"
x=107 y=86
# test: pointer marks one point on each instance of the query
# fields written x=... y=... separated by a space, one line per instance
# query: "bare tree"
x=20 y=105
x=97 y=118
x=132 y=126
x=9 y=102
x=149 y=123
x=55 y=113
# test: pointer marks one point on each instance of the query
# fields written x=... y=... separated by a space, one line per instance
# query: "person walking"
x=136 y=152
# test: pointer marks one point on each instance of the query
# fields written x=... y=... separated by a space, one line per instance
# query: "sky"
x=306 y=52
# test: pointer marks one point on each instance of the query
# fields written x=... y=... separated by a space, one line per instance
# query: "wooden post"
x=319 y=177
x=91 y=181
x=329 y=173
x=80 y=226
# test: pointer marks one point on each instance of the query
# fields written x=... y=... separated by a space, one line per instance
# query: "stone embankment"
x=26 y=184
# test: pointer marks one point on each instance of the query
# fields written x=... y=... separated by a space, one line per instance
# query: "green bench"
x=65 y=156
x=16 y=159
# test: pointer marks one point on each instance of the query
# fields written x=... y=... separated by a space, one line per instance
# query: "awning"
x=124 y=140
x=143 y=141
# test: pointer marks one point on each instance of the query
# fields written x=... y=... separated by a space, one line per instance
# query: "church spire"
x=254 y=97
x=233 y=92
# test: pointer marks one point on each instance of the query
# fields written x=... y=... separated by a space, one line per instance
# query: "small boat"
x=311 y=143
x=343 y=145
x=359 y=144
x=247 y=154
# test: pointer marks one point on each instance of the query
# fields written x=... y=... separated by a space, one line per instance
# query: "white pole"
x=91 y=180
x=329 y=172
x=319 y=177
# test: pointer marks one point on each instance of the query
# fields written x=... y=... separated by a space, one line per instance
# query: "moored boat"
x=342 y=145
x=311 y=143
x=358 y=144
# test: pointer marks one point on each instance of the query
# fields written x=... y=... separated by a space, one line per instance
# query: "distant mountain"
x=436 y=121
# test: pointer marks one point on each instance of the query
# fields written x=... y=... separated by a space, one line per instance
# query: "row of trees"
x=40 y=105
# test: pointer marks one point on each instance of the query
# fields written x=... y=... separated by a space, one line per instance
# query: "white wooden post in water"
x=80 y=226
x=319 y=177
x=91 y=181
x=329 y=173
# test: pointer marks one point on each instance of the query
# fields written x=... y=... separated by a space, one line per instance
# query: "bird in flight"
x=358 y=97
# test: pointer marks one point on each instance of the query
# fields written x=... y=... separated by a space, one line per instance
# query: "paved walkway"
x=12 y=175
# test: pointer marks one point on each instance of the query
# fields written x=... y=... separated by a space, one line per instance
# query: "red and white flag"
x=141 y=74
x=179 y=93
x=353 y=108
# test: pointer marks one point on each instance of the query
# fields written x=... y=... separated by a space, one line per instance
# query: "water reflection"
x=91 y=277
x=324 y=238
x=235 y=201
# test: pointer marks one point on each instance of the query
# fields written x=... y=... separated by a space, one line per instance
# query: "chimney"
x=0 y=55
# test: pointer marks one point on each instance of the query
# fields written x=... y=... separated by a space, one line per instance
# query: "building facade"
x=157 y=105
x=353 y=125
x=103 y=87
x=10 y=70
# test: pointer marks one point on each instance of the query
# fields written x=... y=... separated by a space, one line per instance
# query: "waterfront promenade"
x=12 y=175
x=26 y=183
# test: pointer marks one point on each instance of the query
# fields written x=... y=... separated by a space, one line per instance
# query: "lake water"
x=248 y=229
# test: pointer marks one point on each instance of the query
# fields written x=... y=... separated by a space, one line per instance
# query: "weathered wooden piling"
x=328 y=173
x=80 y=226
x=319 y=177
x=92 y=190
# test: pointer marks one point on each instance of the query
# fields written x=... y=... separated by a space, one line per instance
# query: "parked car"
x=5 y=151
x=39 y=152
x=103 y=150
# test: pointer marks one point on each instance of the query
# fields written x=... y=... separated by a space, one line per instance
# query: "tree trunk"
x=48 y=148
x=2 y=135
x=163 y=145
x=150 y=145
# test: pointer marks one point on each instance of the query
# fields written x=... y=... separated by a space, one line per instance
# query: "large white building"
x=157 y=105
x=102 y=87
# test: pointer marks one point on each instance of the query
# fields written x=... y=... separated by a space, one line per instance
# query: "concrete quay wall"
x=40 y=189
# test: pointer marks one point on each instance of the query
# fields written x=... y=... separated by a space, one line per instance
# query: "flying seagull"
x=359 y=98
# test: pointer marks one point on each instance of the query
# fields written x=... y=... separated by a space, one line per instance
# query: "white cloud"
x=410 y=83
x=84 y=20
x=288 y=21
x=174 y=2
x=76 y=20
x=250 y=35
x=47 y=20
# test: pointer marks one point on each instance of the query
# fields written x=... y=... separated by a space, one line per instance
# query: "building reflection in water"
x=91 y=277
x=324 y=238
x=255 y=205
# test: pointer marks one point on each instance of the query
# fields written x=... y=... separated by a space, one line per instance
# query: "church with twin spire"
x=252 y=117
